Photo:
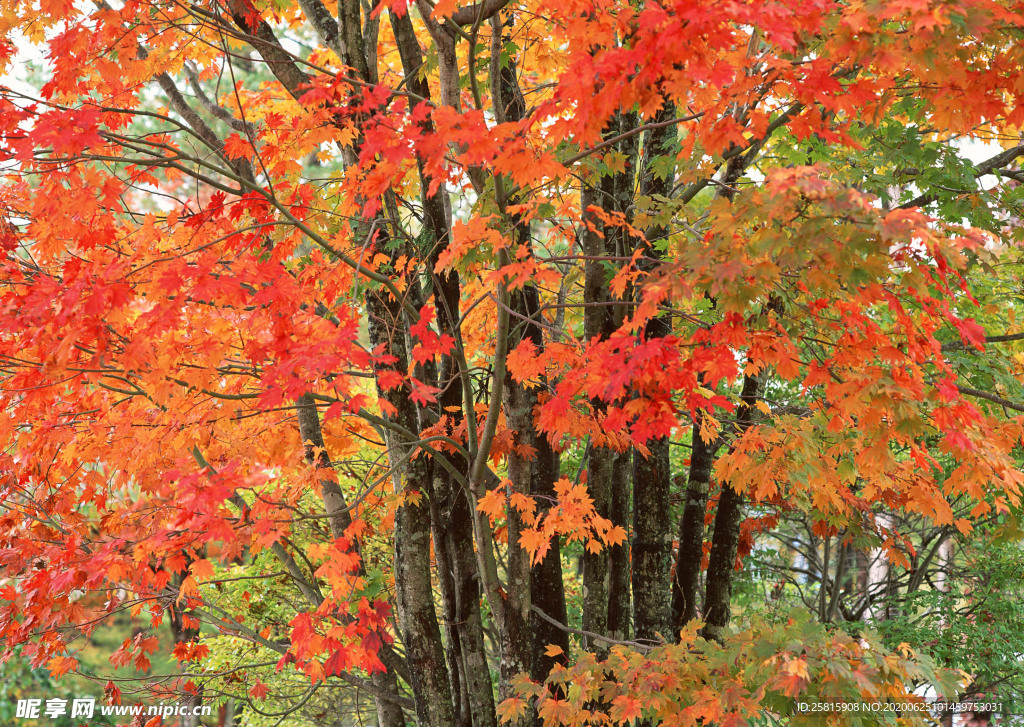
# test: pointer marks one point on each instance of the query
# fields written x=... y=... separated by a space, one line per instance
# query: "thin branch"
x=991 y=397
x=957 y=345
x=988 y=166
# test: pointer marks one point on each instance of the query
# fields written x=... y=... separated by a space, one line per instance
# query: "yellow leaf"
x=709 y=428
x=553 y=650
x=511 y=709
x=798 y=667
x=625 y=708
x=536 y=543
x=525 y=505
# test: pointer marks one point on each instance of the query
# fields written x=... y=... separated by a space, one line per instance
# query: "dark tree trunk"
x=606 y=578
x=619 y=243
x=685 y=585
x=726 y=538
x=547 y=589
x=535 y=476
x=690 y=557
x=652 y=475
x=597 y=323
x=452 y=515
x=652 y=543
x=619 y=555
x=728 y=518
x=421 y=634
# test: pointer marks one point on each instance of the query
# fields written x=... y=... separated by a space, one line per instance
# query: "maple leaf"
x=337 y=663
x=797 y=667
x=492 y=504
x=511 y=709
x=188 y=589
x=625 y=708
x=201 y=569
x=421 y=393
x=259 y=690
x=555 y=711
x=616 y=535
x=525 y=505
x=536 y=543
x=60 y=665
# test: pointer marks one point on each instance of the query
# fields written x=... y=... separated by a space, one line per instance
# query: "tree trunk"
x=606 y=573
x=652 y=543
x=726 y=538
x=619 y=555
x=652 y=475
x=535 y=476
x=451 y=515
x=421 y=634
x=689 y=560
x=597 y=324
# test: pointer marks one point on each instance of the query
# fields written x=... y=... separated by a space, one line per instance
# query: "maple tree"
x=329 y=331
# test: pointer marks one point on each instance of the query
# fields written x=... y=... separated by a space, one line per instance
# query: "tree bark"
x=535 y=476
x=597 y=324
x=417 y=618
x=690 y=557
x=452 y=515
x=606 y=573
x=726 y=538
x=619 y=599
x=652 y=475
x=652 y=543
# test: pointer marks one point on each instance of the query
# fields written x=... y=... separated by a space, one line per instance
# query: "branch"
x=478 y=12
x=258 y=33
x=189 y=114
x=986 y=167
x=498 y=377
x=323 y=23
x=592 y=634
x=632 y=132
x=991 y=397
x=218 y=111
x=956 y=345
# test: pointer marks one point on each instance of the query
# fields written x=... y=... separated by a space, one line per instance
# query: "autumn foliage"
x=398 y=346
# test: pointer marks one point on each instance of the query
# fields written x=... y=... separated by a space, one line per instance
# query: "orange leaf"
x=492 y=504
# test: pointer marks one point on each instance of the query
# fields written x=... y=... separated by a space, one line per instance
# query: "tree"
x=391 y=310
